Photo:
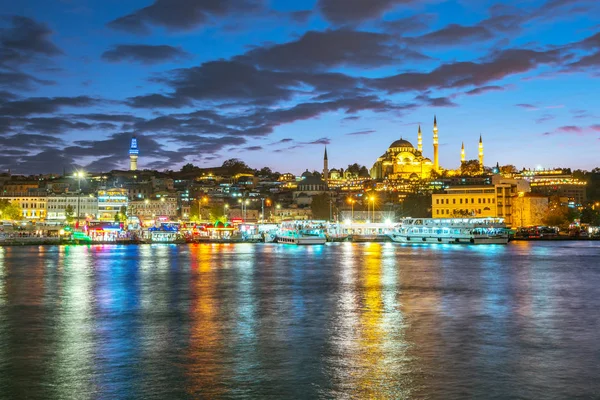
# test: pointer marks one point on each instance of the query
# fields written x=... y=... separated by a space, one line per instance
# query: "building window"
x=453 y=201
x=472 y=200
x=460 y=201
x=479 y=200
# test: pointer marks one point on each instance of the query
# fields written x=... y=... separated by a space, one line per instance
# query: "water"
x=275 y=321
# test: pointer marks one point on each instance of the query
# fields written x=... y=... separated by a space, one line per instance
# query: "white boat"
x=451 y=230
x=300 y=232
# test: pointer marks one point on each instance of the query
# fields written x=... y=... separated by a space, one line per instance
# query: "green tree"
x=189 y=167
x=320 y=206
x=11 y=211
x=507 y=169
x=121 y=216
x=235 y=166
x=416 y=206
x=69 y=213
x=215 y=212
x=590 y=216
x=470 y=167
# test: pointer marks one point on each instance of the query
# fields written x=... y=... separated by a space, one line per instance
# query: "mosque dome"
x=306 y=174
x=402 y=143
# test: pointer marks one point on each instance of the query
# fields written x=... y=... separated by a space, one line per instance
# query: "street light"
x=352 y=201
x=372 y=199
x=521 y=195
x=225 y=207
x=79 y=175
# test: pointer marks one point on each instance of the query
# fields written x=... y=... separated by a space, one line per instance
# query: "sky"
x=273 y=82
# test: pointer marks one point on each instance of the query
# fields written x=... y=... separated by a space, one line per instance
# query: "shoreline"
x=62 y=242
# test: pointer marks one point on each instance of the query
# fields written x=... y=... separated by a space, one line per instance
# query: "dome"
x=402 y=143
x=306 y=174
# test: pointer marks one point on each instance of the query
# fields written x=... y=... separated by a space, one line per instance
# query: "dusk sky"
x=272 y=82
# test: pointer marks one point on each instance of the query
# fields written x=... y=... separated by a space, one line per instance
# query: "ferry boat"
x=451 y=230
x=300 y=232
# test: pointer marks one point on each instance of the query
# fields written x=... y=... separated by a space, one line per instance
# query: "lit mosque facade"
x=402 y=161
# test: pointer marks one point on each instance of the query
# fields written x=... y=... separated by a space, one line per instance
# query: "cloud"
x=436 y=101
x=253 y=148
x=575 y=130
x=545 y=118
x=301 y=16
x=234 y=82
x=25 y=141
x=353 y=11
x=158 y=101
x=451 y=35
x=467 y=73
x=331 y=48
x=527 y=106
x=361 y=133
x=44 y=105
x=180 y=15
x=24 y=40
x=484 y=89
x=145 y=54
x=20 y=80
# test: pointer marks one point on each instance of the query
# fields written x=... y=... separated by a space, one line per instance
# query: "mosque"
x=402 y=161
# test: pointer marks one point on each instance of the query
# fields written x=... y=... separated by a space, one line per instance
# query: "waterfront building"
x=281 y=214
x=309 y=186
x=133 y=154
x=19 y=187
x=475 y=201
x=529 y=209
x=556 y=182
x=34 y=207
x=152 y=208
x=110 y=203
x=85 y=206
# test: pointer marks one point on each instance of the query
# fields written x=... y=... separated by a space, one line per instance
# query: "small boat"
x=300 y=232
x=451 y=230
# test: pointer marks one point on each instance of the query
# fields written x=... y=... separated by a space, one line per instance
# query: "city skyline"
x=271 y=83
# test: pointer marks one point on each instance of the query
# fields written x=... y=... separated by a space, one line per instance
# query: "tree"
x=470 y=167
x=264 y=171
x=416 y=206
x=69 y=213
x=558 y=214
x=508 y=169
x=364 y=172
x=320 y=206
x=235 y=166
x=121 y=216
x=10 y=211
x=590 y=216
x=215 y=213
x=189 y=167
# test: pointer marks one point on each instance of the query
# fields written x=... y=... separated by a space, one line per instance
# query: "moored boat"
x=451 y=230
x=300 y=232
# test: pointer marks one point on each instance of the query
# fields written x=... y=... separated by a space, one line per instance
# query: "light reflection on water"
x=343 y=320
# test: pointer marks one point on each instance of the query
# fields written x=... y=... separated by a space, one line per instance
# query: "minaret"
x=436 y=161
x=325 y=167
x=462 y=153
x=133 y=154
x=420 y=141
x=480 y=154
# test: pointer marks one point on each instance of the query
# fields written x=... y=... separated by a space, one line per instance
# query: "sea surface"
x=344 y=320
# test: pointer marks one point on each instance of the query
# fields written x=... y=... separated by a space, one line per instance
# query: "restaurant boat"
x=301 y=232
x=451 y=230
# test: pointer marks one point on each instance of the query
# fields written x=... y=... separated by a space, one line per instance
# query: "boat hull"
x=302 y=240
x=449 y=240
